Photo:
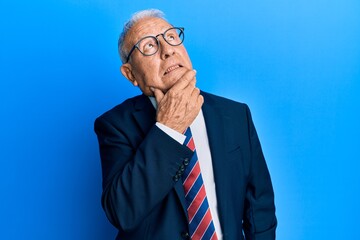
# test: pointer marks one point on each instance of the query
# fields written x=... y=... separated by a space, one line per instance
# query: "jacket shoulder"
x=124 y=109
x=223 y=102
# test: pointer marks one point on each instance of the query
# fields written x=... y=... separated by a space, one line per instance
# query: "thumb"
x=158 y=94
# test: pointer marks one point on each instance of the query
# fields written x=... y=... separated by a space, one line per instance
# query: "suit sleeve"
x=259 y=220
x=136 y=178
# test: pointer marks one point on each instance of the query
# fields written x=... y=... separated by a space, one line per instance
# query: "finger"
x=189 y=89
x=158 y=94
x=193 y=98
x=195 y=92
x=184 y=81
x=200 y=101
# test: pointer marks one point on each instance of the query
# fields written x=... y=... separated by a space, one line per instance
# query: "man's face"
x=160 y=70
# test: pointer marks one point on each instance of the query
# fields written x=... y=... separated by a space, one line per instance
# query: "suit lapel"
x=215 y=127
x=145 y=113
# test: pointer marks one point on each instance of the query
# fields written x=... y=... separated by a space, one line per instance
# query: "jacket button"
x=186 y=161
x=176 y=178
x=185 y=235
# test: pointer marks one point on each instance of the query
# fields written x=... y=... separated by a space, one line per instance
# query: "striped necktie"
x=201 y=225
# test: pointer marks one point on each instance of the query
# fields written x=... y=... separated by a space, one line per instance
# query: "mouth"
x=172 y=68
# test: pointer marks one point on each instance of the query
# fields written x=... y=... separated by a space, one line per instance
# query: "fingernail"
x=194 y=70
x=152 y=89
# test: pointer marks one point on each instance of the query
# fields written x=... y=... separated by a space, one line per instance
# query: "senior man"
x=179 y=163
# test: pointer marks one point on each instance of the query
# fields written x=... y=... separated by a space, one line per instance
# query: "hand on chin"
x=171 y=78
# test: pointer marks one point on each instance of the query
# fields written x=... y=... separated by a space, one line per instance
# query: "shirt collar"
x=153 y=102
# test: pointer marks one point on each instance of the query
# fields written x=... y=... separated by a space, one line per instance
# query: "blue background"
x=296 y=63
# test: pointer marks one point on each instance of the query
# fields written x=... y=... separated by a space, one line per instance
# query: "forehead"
x=146 y=27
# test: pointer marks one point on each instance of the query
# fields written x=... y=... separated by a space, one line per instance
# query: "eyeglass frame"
x=157 y=40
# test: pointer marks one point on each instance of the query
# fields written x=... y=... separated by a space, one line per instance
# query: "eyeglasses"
x=149 y=45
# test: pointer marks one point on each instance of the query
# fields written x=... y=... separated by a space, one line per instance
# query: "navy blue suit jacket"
x=142 y=194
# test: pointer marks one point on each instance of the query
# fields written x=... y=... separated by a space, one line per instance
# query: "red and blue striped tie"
x=201 y=225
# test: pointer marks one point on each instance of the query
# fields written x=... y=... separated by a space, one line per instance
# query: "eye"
x=148 y=45
x=171 y=37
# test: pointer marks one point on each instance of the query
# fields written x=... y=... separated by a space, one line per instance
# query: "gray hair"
x=155 y=13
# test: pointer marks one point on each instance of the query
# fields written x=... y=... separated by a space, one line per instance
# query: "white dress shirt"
x=201 y=141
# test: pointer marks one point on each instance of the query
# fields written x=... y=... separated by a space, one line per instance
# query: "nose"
x=166 y=50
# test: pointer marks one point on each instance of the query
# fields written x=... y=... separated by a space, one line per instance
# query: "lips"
x=172 y=68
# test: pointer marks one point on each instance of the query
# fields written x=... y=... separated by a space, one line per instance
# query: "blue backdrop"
x=296 y=63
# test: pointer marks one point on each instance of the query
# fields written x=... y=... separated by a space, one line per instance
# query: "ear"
x=126 y=70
